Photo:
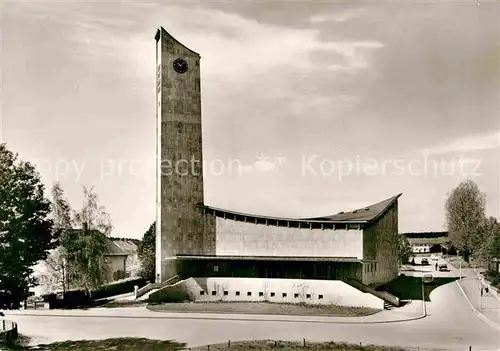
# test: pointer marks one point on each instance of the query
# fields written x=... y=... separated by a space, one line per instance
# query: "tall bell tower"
x=181 y=227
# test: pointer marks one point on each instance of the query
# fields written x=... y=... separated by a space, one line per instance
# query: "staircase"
x=388 y=306
x=390 y=301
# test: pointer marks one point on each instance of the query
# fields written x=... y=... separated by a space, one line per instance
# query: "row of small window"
x=249 y=293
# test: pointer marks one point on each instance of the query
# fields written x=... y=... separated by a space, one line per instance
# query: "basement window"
x=272 y=294
x=296 y=295
x=237 y=293
x=249 y=293
x=284 y=295
x=214 y=293
x=308 y=296
x=320 y=296
x=202 y=293
x=261 y=293
x=226 y=293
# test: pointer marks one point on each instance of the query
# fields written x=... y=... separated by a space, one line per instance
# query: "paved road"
x=451 y=324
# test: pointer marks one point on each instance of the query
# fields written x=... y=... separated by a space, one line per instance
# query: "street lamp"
x=480 y=293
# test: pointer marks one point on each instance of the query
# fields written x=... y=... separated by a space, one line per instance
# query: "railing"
x=145 y=289
x=8 y=333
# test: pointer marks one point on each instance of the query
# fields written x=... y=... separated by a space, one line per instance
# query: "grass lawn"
x=129 y=344
x=132 y=303
x=410 y=288
x=286 y=345
x=263 y=308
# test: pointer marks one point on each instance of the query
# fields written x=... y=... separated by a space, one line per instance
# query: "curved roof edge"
x=161 y=30
x=366 y=215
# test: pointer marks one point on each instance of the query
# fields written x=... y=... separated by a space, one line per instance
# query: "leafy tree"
x=465 y=215
x=146 y=252
x=404 y=249
x=26 y=230
x=490 y=244
x=89 y=245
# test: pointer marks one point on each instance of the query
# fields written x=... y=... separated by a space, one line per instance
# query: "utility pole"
x=460 y=264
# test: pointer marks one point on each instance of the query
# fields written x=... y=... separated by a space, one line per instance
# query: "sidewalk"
x=487 y=304
x=411 y=311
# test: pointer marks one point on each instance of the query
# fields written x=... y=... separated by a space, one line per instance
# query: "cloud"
x=234 y=46
x=336 y=17
x=485 y=141
x=261 y=165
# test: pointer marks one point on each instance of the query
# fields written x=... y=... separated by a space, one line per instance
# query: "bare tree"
x=57 y=262
x=57 y=271
x=465 y=215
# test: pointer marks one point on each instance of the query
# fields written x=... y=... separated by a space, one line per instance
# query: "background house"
x=121 y=262
x=129 y=247
x=429 y=242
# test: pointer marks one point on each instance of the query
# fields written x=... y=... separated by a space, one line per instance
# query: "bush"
x=493 y=277
x=496 y=280
x=119 y=288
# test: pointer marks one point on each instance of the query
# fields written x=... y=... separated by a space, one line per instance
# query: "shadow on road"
x=126 y=344
x=410 y=288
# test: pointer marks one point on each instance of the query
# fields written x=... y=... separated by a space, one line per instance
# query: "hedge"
x=119 y=288
x=78 y=298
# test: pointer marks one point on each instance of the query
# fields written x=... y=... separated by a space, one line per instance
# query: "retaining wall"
x=314 y=292
x=8 y=331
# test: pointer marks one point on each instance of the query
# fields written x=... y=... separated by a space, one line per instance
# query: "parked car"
x=427 y=278
x=425 y=262
x=443 y=267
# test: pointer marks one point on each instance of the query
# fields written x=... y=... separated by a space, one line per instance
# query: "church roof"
x=366 y=214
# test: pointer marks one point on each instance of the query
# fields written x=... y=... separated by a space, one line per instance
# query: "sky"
x=309 y=108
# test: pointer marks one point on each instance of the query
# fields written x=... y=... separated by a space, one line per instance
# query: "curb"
x=480 y=315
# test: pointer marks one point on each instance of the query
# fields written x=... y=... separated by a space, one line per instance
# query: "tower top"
x=162 y=32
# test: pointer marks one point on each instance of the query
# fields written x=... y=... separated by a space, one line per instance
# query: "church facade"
x=197 y=240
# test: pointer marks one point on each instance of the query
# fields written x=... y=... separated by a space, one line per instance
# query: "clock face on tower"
x=180 y=65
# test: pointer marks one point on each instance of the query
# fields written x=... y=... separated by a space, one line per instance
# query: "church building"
x=197 y=240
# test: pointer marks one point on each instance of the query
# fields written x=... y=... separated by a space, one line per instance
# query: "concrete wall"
x=181 y=226
x=133 y=264
x=250 y=239
x=316 y=292
x=380 y=242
